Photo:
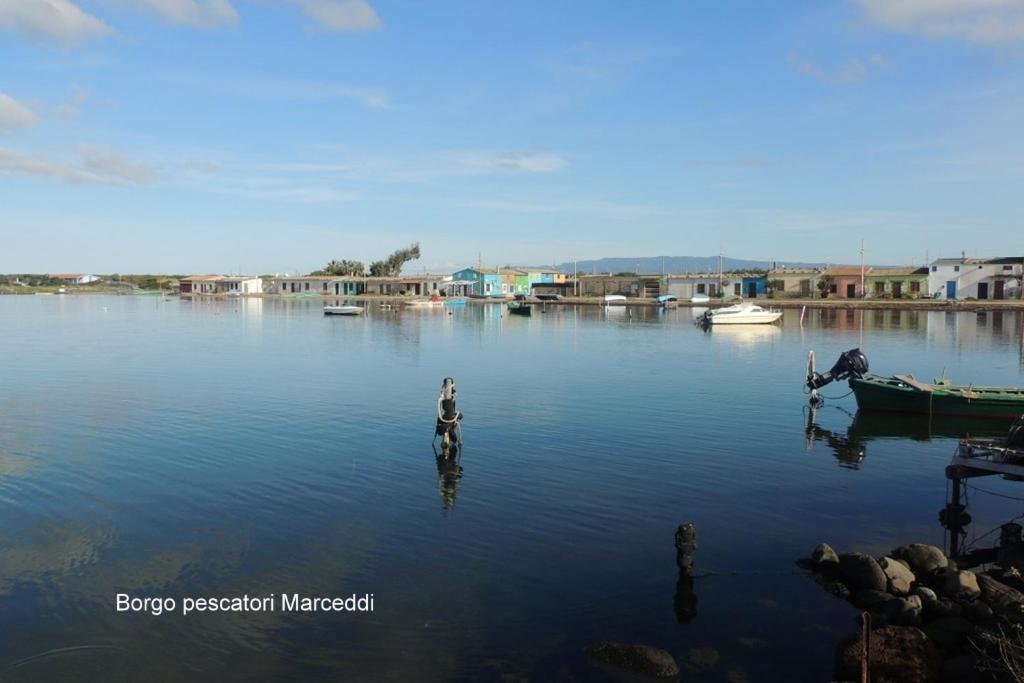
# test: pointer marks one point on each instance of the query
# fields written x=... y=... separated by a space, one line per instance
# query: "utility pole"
x=863 y=292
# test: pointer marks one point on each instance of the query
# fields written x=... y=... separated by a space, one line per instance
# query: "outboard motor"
x=852 y=364
x=448 y=416
x=1015 y=437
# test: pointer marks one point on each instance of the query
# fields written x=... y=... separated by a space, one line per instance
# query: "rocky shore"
x=928 y=619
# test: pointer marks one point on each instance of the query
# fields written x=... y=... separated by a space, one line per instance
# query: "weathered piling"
x=685 y=600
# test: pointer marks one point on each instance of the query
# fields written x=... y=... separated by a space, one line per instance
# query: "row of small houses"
x=953 y=278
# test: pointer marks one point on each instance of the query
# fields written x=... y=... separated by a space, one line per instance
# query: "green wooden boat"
x=905 y=394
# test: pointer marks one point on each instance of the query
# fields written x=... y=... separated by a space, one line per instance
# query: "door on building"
x=751 y=290
x=1000 y=290
x=950 y=289
x=897 y=290
x=982 y=290
x=851 y=291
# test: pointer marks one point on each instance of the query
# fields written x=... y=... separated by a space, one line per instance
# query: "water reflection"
x=449 y=472
x=850 y=447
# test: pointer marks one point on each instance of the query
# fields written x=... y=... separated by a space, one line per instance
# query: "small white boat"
x=742 y=314
x=614 y=298
x=343 y=310
x=424 y=302
x=700 y=299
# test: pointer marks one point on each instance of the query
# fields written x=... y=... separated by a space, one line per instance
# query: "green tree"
x=343 y=267
x=392 y=265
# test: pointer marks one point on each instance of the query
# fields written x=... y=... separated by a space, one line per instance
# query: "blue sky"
x=269 y=136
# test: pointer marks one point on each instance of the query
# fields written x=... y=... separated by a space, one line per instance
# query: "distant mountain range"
x=673 y=264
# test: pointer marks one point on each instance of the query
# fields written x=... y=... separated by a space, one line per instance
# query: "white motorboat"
x=700 y=299
x=614 y=298
x=741 y=314
x=343 y=310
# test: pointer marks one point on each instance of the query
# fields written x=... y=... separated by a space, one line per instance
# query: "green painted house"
x=897 y=283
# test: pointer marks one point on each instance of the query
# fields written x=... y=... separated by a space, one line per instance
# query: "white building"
x=973 y=278
x=76 y=278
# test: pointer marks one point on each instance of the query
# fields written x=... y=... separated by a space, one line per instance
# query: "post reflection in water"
x=449 y=472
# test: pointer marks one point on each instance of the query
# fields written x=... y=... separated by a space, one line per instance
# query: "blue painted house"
x=755 y=286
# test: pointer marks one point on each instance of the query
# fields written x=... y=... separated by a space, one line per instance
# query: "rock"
x=946 y=607
x=921 y=558
x=899 y=654
x=870 y=599
x=949 y=632
x=837 y=588
x=927 y=595
x=641 y=659
x=823 y=554
x=978 y=612
x=1005 y=601
x=961 y=584
x=902 y=611
x=899 y=575
x=860 y=571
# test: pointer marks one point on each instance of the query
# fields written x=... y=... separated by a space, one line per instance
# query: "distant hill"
x=673 y=264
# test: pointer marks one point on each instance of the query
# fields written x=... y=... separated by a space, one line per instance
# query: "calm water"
x=210 y=448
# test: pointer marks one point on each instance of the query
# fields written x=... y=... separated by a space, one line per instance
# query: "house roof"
x=846 y=271
x=978 y=261
x=896 y=272
x=794 y=271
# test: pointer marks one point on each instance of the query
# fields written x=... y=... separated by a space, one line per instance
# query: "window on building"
x=934 y=268
x=325 y=286
x=833 y=288
x=737 y=290
x=1007 y=267
x=915 y=286
x=700 y=289
x=956 y=269
x=879 y=287
x=307 y=286
x=284 y=286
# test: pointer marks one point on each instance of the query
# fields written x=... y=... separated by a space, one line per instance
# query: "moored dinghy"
x=343 y=310
x=905 y=394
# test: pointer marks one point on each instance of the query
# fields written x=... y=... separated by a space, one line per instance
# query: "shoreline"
x=824 y=304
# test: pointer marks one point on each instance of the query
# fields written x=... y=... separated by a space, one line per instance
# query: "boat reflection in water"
x=850 y=447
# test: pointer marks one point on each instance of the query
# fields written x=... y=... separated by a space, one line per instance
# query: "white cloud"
x=853 y=71
x=987 y=22
x=449 y=164
x=197 y=13
x=97 y=165
x=341 y=15
x=13 y=114
x=60 y=20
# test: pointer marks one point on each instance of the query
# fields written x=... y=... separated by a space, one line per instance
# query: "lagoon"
x=171 y=448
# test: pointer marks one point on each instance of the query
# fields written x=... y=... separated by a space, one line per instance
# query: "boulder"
x=899 y=576
x=928 y=597
x=1005 y=601
x=961 y=584
x=824 y=555
x=902 y=611
x=949 y=632
x=641 y=659
x=978 y=612
x=899 y=654
x=870 y=599
x=921 y=558
x=860 y=571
